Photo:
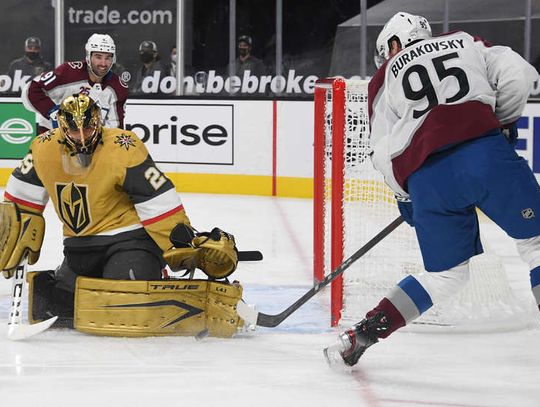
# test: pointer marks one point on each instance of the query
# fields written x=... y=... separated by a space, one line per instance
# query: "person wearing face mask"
x=151 y=66
x=31 y=63
x=245 y=60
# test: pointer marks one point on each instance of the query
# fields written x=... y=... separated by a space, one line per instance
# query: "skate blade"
x=332 y=355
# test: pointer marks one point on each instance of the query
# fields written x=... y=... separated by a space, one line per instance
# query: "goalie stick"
x=16 y=329
x=249 y=255
x=253 y=317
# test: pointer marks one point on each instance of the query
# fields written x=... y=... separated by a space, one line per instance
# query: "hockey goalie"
x=123 y=222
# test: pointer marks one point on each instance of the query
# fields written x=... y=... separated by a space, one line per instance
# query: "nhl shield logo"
x=527 y=213
x=73 y=206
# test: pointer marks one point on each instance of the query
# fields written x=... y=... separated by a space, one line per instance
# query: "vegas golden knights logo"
x=73 y=205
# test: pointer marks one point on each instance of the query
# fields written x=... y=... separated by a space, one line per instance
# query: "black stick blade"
x=250 y=255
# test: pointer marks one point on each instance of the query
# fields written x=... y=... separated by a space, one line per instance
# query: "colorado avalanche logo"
x=76 y=64
x=125 y=140
x=125 y=77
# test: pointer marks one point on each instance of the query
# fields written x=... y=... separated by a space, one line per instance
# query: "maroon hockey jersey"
x=46 y=91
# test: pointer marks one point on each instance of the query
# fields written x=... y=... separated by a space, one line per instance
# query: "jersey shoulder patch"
x=119 y=86
x=75 y=65
x=124 y=79
x=126 y=144
x=126 y=140
x=45 y=137
x=46 y=145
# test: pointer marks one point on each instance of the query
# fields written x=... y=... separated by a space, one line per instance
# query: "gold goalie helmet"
x=79 y=119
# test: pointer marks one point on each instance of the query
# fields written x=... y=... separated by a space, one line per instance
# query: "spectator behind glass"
x=31 y=63
x=246 y=61
x=151 y=67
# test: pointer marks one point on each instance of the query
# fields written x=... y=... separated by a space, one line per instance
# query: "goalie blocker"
x=21 y=233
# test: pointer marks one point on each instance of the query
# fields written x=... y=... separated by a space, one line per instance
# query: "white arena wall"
x=231 y=146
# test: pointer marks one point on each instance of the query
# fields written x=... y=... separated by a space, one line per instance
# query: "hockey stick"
x=16 y=329
x=252 y=317
x=249 y=255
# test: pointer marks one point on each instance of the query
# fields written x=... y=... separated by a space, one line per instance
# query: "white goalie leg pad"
x=529 y=251
x=443 y=285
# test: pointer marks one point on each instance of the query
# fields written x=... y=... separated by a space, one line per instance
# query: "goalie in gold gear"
x=118 y=209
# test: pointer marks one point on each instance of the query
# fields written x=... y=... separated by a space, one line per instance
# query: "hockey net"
x=352 y=204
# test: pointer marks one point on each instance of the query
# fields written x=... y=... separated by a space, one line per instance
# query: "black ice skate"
x=352 y=343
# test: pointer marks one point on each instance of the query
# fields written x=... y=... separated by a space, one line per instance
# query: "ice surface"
x=269 y=367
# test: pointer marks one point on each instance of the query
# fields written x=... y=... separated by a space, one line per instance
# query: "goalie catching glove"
x=213 y=252
x=21 y=233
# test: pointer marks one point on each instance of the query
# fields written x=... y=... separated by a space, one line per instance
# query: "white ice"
x=269 y=367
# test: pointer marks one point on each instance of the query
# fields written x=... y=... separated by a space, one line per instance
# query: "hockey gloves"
x=21 y=234
x=213 y=252
x=53 y=116
x=406 y=210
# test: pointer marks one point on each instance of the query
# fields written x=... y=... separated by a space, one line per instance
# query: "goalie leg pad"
x=156 y=308
x=20 y=233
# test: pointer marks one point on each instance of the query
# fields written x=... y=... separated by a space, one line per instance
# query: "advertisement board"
x=17 y=129
x=180 y=133
x=528 y=145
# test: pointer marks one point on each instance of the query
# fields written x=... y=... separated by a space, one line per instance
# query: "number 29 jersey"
x=440 y=92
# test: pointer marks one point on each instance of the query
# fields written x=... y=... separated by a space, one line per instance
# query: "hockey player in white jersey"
x=443 y=114
x=92 y=76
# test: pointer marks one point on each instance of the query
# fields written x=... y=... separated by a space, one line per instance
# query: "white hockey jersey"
x=440 y=92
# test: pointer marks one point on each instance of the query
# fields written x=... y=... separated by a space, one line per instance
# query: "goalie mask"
x=404 y=27
x=80 y=123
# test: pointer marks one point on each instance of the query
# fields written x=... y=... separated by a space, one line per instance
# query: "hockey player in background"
x=443 y=114
x=92 y=76
x=117 y=208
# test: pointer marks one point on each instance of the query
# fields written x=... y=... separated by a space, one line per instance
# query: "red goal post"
x=337 y=88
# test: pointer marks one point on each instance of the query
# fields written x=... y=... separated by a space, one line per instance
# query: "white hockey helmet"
x=406 y=28
x=100 y=43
